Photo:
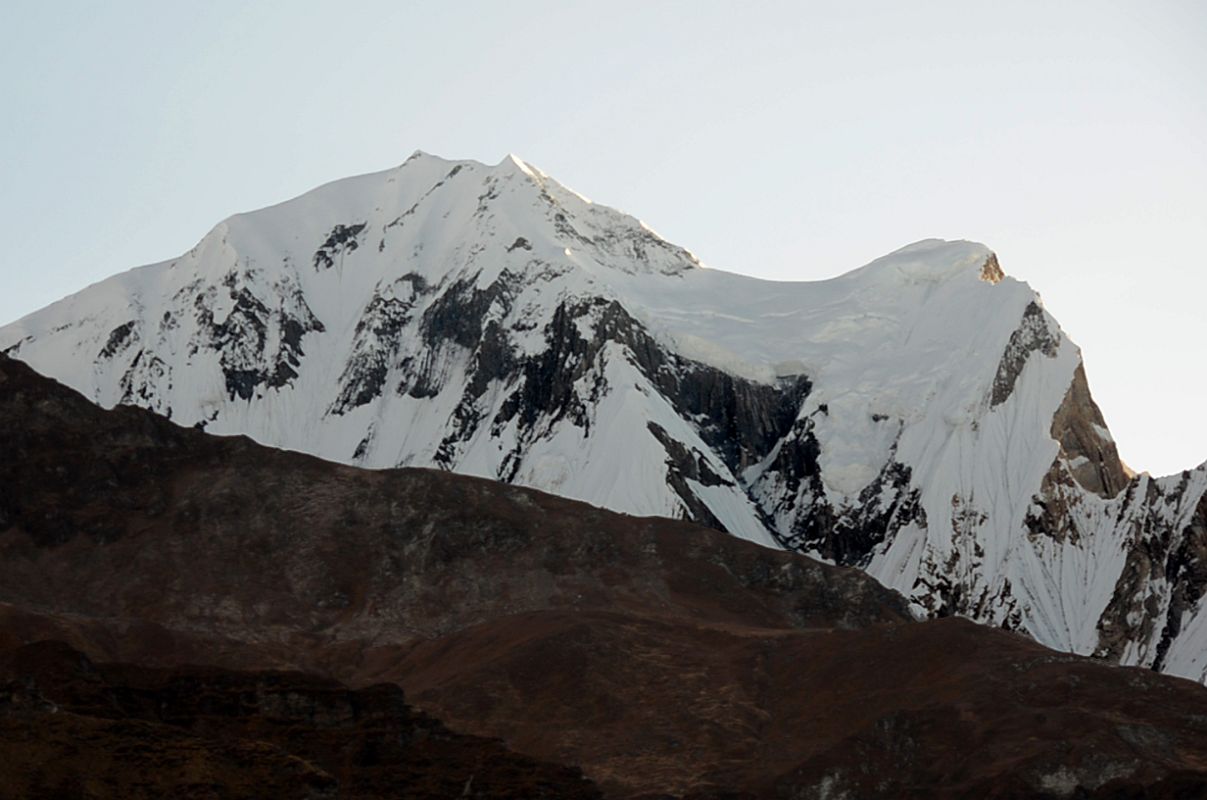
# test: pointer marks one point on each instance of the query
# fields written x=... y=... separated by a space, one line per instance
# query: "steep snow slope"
x=921 y=417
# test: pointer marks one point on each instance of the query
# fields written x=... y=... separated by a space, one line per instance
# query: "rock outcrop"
x=922 y=418
x=660 y=657
x=73 y=728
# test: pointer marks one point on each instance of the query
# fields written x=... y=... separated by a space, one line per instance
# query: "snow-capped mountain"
x=922 y=417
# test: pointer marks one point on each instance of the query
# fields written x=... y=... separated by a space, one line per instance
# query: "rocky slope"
x=664 y=658
x=922 y=418
x=73 y=728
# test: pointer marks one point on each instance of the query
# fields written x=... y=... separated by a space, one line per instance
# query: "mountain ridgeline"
x=613 y=655
x=922 y=418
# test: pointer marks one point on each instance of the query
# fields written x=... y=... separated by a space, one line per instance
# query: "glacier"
x=922 y=418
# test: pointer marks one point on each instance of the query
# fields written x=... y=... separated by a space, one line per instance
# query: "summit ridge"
x=922 y=418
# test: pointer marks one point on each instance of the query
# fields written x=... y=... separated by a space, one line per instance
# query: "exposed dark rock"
x=1050 y=514
x=1033 y=335
x=131 y=732
x=1160 y=555
x=145 y=371
x=376 y=344
x=1090 y=453
x=242 y=337
x=1130 y=615
x=848 y=535
x=466 y=316
x=664 y=658
x=991 y=271
x=547 y=381
x=342 y=239
x=851 y=536
x=1186 y=572
x=119 y=339
x=690 y=464
x=459 y=314
x=681 y=466
x=745 y=419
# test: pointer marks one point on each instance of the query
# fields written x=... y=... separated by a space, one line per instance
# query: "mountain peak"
x=933 y=261
x=484 y=319
x=512 y=161
x=991 y=271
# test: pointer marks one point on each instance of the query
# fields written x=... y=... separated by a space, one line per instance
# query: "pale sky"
x=792 y=140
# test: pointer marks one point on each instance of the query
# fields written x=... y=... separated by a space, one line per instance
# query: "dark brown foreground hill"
x=70 y=728
x=661 y=657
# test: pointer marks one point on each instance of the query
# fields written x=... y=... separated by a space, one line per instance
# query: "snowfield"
x=921 y=417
